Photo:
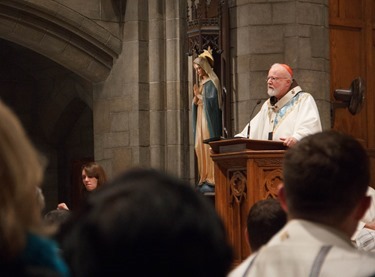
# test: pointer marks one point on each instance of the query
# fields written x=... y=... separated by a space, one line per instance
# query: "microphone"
x=256 y=105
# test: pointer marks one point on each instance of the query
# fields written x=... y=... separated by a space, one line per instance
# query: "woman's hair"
x=21 y=173
x=93 y=169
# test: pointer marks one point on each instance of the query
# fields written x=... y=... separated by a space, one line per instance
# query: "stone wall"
x=266 y=32
x=140 y=114
x=127 y=65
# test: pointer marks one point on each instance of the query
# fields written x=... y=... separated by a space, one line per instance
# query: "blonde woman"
x=23 y=246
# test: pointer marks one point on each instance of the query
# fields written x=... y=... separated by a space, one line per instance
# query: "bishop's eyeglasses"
x=274 y=79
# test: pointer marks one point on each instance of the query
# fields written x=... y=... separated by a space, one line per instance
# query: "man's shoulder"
x=305 y=95
x=297 y=233
x=295 y=249
x=301 y=260
x=240 y=270
x=299 y=244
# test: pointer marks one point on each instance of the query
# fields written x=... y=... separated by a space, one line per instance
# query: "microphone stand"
x=256 y=105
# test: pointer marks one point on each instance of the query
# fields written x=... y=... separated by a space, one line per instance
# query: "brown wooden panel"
x=352 y=46
x=346 y=9
x=352 y=9
x=241 y=179
x=347 y=55
x=370 y=93
x=334 y=8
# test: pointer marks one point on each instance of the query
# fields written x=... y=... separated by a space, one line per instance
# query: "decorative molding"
x=238 y=187
x=268 y=162
x=272 y=181
x=62 y=35
x=203 y=20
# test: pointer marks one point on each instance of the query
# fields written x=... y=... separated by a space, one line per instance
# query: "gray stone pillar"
x=292 y=32
x=140 y=111
x=177 y=121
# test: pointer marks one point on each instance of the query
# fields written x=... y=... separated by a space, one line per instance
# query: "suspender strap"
x=319 y=260
x=316 y=267
x=250 y=264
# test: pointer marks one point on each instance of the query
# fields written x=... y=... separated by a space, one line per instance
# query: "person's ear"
x=282 y=197
x=363 y=206
x=246 y=233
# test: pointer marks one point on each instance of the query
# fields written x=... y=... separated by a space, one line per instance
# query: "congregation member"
x=288 y=115
x=25 y=249
x=93 y=177
x=326 y=176
x=364 y=237
x=265 y=218
x=147 y=223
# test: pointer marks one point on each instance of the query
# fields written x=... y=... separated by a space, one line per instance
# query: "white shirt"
x=295 y=114
x=364 y=238
x=293 y=251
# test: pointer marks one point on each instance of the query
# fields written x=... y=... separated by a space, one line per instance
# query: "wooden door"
x=352 y=47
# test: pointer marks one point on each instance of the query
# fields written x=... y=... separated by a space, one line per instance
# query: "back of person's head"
x=21 y=173
x=265 y=218
x=147 y=223
x=57 y=217
x=326 y=175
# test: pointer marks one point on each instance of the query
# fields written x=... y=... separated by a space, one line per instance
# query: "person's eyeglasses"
x=274 y=79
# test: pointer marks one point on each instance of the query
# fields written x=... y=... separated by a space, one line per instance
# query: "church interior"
x=112 y=82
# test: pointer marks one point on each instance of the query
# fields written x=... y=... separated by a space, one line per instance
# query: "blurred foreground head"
x=147 y=223
x=21 y=174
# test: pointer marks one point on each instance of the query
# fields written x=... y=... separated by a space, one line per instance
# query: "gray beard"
x=271 y=92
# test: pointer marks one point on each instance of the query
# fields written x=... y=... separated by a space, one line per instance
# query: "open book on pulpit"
x=241 y=144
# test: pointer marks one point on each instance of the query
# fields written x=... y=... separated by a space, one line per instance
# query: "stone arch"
x=67 y=118
x=67 y=134
x=61 y=34
x=57 y=103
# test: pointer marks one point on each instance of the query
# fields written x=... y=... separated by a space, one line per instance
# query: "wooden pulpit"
x=246 y=171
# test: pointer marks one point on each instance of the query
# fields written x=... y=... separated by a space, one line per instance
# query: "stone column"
x=140 y=111
x=176 y=104
x=265 y=32
x=121 y=103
